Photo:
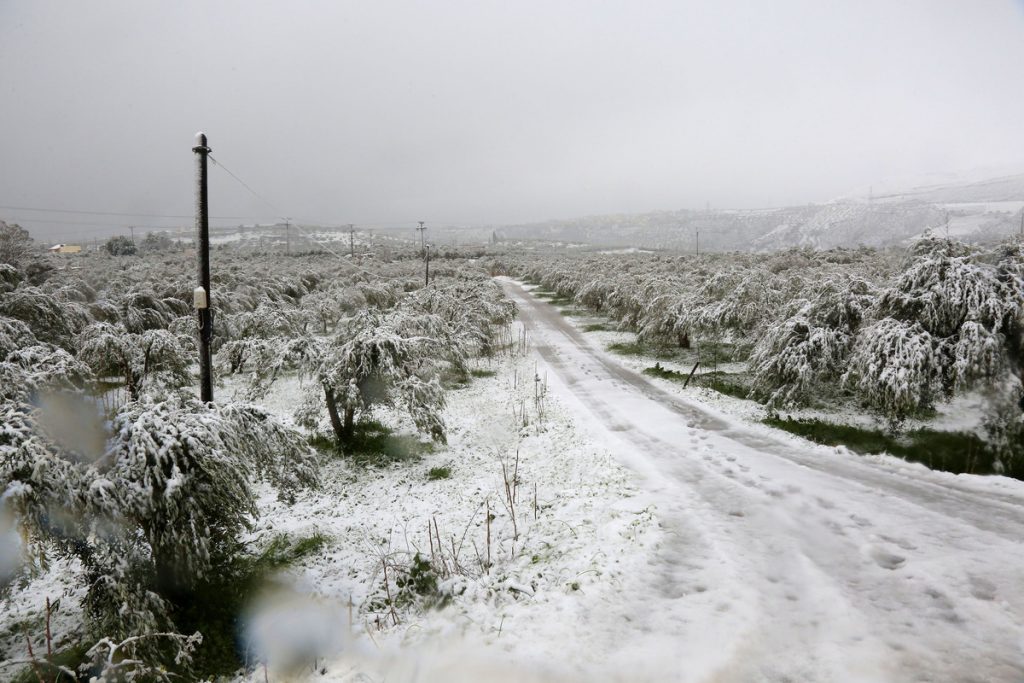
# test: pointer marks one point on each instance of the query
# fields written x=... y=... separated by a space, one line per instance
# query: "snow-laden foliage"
x=50 y=320
x=145 y=310
x=241 y=334
x=943 y=291
x=798 y=354
x=373 y=357
x=153 y=360
x=897 y=367
x=901 y=336
x=14 y=334
x=182 y=473
x=10 y=278
x=15 y=244
x=948 y=322
x=42 y=366
x=159 y=508
x=386 y=359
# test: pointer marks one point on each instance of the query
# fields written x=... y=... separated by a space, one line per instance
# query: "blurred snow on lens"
x=10 y=543
x=73 y=424
x=10 y=554
x=287 y=630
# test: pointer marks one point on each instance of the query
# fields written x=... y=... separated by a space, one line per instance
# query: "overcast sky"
x=494 y=112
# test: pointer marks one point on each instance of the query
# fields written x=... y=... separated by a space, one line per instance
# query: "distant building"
x=65 y=249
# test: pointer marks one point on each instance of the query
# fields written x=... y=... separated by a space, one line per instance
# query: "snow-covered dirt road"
x=786 y=561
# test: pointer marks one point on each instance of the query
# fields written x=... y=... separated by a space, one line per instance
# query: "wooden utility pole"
x=422 y=230
x=351 y=240
x=426 y=278
x=698 y=241
x=201 y=295
x=288 y=235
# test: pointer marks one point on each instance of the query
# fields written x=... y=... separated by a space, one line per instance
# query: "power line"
x=288 y=220
x=87 y=212
x=257 y=195
x=110 y=225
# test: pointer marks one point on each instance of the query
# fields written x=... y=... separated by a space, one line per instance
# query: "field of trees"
x=114 y=473
x=108 y=458
x=891 y=332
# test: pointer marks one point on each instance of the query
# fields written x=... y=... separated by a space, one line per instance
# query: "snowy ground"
x=550 y=606
x=671 y=540
x=785 y=561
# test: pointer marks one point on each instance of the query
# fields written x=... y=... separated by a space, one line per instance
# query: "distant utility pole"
x=422 y=230
x=698 y=241
x=947 y=225
x=201 y=295
x=132 y=229
x=288 y=235
x=426 y=277
x=352 y=240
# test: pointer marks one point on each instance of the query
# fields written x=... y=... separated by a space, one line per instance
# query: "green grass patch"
x=596 y=327
x=483 y=373
x=639 y=347
x=631 y=348
x=664 y=373
x=436 y=473
x=956 y=452
x=721 y=382
x=374 y=445
x=323 y=443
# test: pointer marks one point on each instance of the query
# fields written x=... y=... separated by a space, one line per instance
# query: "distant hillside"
x=976 y=211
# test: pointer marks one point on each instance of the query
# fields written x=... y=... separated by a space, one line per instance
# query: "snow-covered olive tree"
x=51 y=320
x=950 y=321
x=15 y=244
x=161 y=504
x=152 y=360
x=798 y=354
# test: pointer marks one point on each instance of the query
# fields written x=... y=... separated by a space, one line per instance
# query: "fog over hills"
x=985 y=210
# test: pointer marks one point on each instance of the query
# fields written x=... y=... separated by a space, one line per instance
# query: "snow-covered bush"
x=377 y=356
x=14 y=334
x=950 y=321
x=152 y=360
x=798 y=354
x=15 y=244
x=897 y=367
x=10 y=277
x=51 y=321
x=154 y=510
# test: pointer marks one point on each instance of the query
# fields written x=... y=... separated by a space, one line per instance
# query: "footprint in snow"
x=886 y=560
x=860 y=521
x=982 y=589
x=901 y=542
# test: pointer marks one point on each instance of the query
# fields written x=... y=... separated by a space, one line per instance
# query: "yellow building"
x=65 y=249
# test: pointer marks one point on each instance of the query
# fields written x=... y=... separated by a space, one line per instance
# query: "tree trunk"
x=350 y=414
x=332 y=409
x=131 y=385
